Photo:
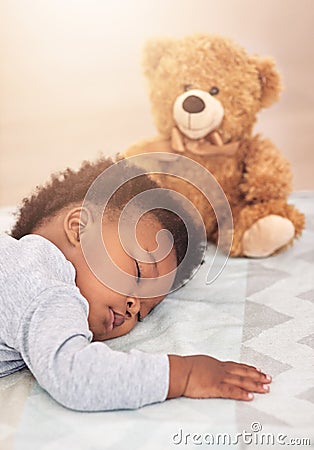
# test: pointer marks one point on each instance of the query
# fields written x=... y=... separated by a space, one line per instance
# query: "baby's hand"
x=201 y=376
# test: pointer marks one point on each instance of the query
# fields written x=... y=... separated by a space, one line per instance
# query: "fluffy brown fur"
x=256 y=178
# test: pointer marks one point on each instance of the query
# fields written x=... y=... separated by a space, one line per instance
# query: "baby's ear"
x=75 y=222
x=153 y=52
x=269 y=78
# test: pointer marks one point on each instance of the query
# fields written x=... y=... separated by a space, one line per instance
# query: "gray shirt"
x=43 y=325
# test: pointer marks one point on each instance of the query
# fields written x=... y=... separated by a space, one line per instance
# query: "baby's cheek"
x=148 y=304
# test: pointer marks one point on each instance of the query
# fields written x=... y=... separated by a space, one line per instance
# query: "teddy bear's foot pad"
x=267 y=235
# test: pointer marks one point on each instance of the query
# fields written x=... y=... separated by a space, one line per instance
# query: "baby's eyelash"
x=138 y=270
x=139 y=318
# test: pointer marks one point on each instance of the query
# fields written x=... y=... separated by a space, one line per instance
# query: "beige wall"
x=71 y=85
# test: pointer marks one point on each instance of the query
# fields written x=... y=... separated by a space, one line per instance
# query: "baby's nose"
x=193 y=104
x=133 y=306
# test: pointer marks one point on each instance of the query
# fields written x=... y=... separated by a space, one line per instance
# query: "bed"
x=258 y=311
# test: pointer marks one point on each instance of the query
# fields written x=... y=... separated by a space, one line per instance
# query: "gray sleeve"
x=54 y=341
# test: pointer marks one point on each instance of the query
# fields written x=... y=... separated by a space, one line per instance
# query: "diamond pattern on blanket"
x=250 y=414
x=278 y=333
x=259 y=318
x=308 y=340
x=260 y=277
x=309 y=295
x=307 y=256
x=264 y=362
x=307 y=395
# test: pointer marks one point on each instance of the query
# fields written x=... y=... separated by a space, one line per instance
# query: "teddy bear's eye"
x=214 y=91
x=187 y=87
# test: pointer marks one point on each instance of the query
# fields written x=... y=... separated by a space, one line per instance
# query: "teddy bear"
x=205 y=92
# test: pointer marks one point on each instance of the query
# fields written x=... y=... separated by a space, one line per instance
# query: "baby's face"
x=113 y=314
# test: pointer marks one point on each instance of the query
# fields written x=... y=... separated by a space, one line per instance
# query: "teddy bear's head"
x=204 y=82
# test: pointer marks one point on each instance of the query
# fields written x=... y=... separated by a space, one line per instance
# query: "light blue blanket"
x=258 y=311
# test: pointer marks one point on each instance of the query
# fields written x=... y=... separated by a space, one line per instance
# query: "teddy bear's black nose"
x=193 y=104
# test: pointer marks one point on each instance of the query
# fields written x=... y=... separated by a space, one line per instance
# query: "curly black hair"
x=70 y=187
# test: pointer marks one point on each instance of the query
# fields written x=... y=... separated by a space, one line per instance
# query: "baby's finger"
x=236 y=364
x=247 y=383
x=248 y=371
x=234 y=392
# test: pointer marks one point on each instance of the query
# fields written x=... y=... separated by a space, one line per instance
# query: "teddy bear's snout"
x=197 y=113
x=193 y=104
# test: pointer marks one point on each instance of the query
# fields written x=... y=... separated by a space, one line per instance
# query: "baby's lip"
x=118 y=319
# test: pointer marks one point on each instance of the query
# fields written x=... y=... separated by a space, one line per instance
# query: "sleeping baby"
x=64 y=292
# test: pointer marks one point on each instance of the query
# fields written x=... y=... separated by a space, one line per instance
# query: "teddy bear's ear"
x=269 y=78
x=153 y=51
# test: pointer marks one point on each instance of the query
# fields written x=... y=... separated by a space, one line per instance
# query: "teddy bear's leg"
x=267 y=235
x=261 y=230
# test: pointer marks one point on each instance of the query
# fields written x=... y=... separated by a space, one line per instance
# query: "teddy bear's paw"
x=266 y=236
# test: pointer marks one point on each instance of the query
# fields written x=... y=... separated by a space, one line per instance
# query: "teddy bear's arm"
x=267 y=174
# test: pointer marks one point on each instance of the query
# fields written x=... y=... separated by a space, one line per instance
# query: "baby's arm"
x=55 y=343
x=201 y=376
